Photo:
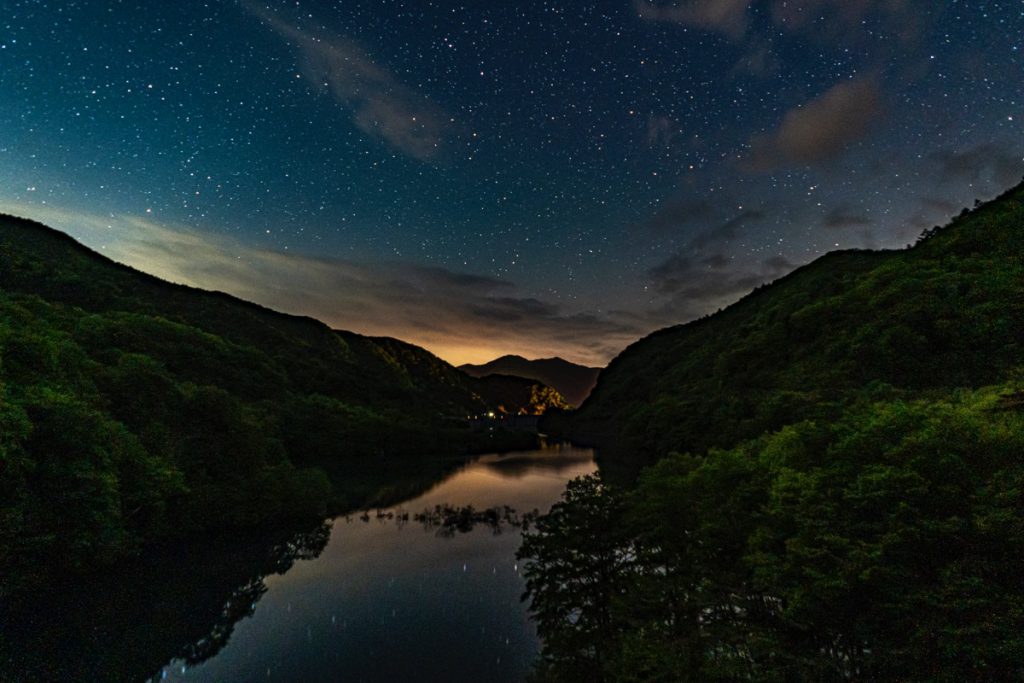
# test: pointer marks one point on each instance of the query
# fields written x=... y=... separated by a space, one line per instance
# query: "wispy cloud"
x=757 y=25
x=845 y=216
x=759 y=60
x=462 y=317
x=820 y=130
x=727 y=231
x=704 y=219
x=846 y=20
x=691 y=287
x=831 y=20
x=983 y=163
x=728 y=17
x=701 y=276
x=379 y=103
x=662 y=131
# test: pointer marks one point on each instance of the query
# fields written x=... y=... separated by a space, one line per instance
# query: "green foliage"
x=15 y=468
x=133 y=410
x=78 y=488
x=578 y=567
x=883 y=546
x=833 y=483
x=317 y=428
x=947 y=313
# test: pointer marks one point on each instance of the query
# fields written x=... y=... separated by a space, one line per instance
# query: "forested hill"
x=131 y=408
x=573 y=381
x=948 y=312
x=838 y=488
x=295 y=352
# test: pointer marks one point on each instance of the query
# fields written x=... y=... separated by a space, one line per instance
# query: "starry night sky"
x=541 y=177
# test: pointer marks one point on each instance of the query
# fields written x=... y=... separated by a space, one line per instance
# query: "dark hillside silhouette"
x=572 y=381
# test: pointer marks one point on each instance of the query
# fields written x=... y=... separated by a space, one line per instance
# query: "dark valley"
x=756 y=406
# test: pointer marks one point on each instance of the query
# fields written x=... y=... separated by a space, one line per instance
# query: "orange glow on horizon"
x=461 y=354
x=458 y=354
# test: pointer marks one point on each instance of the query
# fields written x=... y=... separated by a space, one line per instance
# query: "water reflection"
x=180 y=603
x=360 y=600
x=557 y=460
x=390 y=602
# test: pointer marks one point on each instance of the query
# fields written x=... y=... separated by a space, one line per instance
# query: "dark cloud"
x=796 y=15
x=692 y=286
x=779 y=264
x=727 y=231
x=715 y=261
x=690 y=292
x=985 y=162
x=379 y=104
x=728 y=17
x=687 y=215
x=699 y=278
x=931 y=212
x=970 y=174
x=843 y=216
x=868 y=239
x=819 y=130
x=938 y=205
x=446 y=278
x=921 y=220
x=680 y=276
x=672 y=273
x=508 y=309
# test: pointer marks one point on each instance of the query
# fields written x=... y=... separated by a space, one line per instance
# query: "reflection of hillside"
x=181 y=602
x=383 y=482
x=518 y=465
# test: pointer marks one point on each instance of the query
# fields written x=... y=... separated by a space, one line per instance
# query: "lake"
x=388 y=600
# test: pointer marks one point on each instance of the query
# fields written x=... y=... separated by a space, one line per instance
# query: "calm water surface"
x=392 y=602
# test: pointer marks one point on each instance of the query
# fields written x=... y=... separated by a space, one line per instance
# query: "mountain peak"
x=573 y=381
x=509 y=357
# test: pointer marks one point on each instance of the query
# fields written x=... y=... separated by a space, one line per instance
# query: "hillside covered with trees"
x=133 y=410
x=947 y=313
x=831 y=481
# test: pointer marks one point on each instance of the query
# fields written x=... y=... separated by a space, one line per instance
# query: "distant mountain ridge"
x=574 y=382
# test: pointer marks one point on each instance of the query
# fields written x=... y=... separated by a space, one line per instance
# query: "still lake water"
x=396 y=602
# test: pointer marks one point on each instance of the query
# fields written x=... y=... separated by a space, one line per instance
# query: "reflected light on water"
x=393 y=601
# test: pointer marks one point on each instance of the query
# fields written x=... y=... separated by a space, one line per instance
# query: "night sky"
x=536 y=177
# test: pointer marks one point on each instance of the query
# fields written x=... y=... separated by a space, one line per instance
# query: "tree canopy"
x=884 y=546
